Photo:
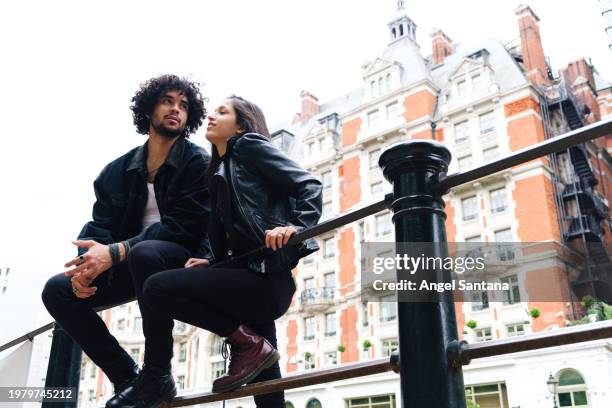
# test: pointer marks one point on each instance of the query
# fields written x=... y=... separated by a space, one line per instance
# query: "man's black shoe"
x=152 y=387
x=117 y=388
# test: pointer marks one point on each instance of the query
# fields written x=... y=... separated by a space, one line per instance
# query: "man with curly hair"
x=151 y=214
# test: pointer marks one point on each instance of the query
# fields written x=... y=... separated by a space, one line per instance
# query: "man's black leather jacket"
x=270 y=190
x=182 y=198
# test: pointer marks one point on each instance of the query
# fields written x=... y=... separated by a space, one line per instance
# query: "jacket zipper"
x=240 y=207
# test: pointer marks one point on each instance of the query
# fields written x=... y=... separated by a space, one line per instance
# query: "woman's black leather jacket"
x=270 y=190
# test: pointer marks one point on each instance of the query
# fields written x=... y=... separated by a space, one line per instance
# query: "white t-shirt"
x=151 y=214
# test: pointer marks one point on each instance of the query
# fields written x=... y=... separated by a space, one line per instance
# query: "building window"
x=365 y=314
x=331 y=358
x=376 y=188
x=469 y=208
x=373 y=158
x=91 y=396
x=480 y=300
x=499 y=200
x=182 y=352
x=135 y=354
x=121 y=325
x=515 y=330
x=476 y=81
x=490 y=153
x=465 y=162
x=309 y=328
x=462 y=131
x=487 y=122
x=572 y=391
x=504 y=235
x=373 y=118
x=373 y=88
x=380 y=401
x=383 y=224
x=83 y=369
x=309 y=361
x=389 y=346
x=217 y=369
x=461 y=88
x=381 y=86
x=327 y=208
x=217 y=346
x=330 y=280
x=388 y=308
x=180 y=382
x=483 y=334
x=475 y=238
x=138 y=324
x=326 y=179
x=491 y=395
x=309 y=283
x=329 y=248
x=330 y=324
x=388 y=78
x=513 y=295
x=392 y=110
x=92 y=371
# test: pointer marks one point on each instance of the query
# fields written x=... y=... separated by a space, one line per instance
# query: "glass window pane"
x=487 y=122
x=565 y=399
x=580 y=398
x=373 y=118
x=470 y=208
x=392 y=110
x=465 y=162
x=461 y=131
x=490 y=153
x=373 y=158
x=499 y=200
x=570 y=377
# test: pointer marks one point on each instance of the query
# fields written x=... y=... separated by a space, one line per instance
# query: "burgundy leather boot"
x=250 y=354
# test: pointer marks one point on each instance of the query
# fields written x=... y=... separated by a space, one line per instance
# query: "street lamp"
x=552 y=388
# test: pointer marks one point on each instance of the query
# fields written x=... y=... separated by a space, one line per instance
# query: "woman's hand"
x=196 y=262
x=278 y=237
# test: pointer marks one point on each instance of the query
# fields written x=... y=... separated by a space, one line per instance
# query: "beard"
x=167 y=132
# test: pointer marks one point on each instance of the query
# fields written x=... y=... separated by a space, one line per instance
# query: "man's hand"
x=80 y=287
x=278 y=237
x=196 y=262
x=88 y=266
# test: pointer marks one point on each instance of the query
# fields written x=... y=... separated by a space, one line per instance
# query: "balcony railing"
x=417 y=170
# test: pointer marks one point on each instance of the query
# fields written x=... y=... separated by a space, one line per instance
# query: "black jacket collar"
x=138 y=161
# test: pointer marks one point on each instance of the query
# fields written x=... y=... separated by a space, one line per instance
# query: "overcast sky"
x=69 y=70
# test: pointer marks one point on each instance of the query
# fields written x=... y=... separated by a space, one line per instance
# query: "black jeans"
x=78 y=318
x=219 y=300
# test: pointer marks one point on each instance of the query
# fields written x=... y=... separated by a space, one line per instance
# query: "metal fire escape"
x=581 y=209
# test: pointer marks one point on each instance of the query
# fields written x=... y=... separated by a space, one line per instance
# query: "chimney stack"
x=310 y=106
x=442 y=45
x=531 y=46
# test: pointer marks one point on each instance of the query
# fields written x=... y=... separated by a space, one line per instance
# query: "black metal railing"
x=428 y=341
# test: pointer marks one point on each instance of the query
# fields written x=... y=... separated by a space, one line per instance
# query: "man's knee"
x=56 y=291
x=143 y=252
x=151 y=291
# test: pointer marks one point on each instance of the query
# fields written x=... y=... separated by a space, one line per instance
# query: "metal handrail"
x=464 y=354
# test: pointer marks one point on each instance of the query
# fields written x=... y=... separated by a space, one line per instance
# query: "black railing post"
x=425 y=328
x=64 y=366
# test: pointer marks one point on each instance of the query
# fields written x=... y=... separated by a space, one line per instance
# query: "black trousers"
x=219 y=300
x=78 y=318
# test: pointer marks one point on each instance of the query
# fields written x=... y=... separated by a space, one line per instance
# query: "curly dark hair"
x=149 y=93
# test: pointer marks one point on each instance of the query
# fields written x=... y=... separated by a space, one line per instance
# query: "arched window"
x=572 y=391
x=393 y=33
x=388 y=82
x=401 y=30
x=373 y=88
x=381 y=86
x=314 y=403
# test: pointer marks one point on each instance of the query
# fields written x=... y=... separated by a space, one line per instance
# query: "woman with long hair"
x=258 y=197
